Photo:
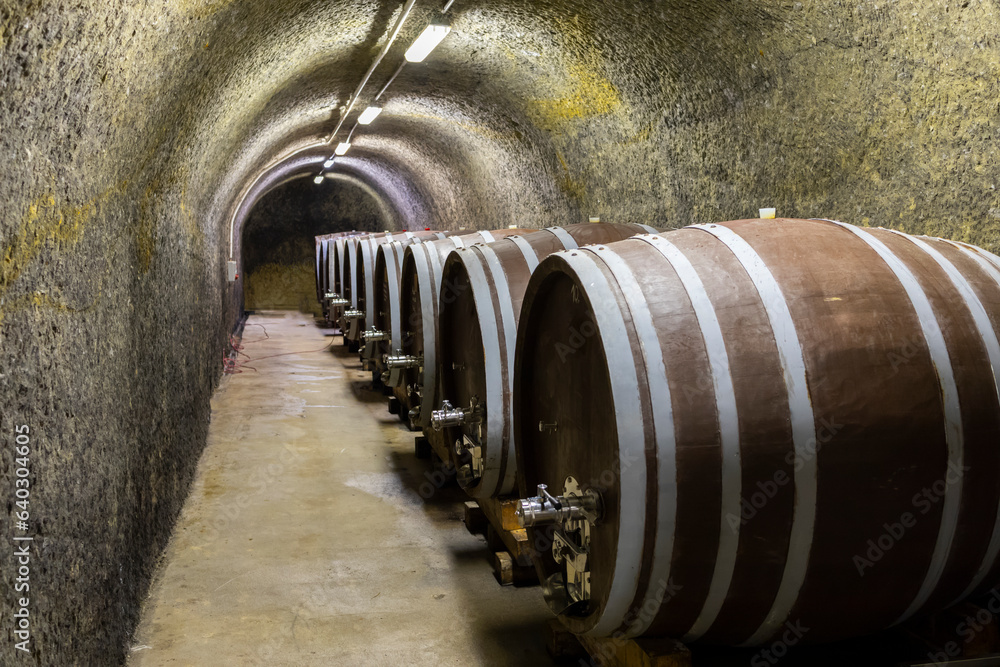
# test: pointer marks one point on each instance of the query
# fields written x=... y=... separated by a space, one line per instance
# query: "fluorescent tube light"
x=428 y=40
x=370 y=114
x=342 y=148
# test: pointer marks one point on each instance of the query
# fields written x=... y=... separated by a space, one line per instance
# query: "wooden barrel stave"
x=816 y=296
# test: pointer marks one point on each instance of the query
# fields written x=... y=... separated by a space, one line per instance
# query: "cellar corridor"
x=311 y=537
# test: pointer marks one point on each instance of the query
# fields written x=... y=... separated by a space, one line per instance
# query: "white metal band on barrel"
x=428 y=319
x=486 y=236
x=803 y=423
x=457 y=240
x=631 y=443
x=564 y=237
x=651 y=230
x=989 y=336
x=353 y=273
x=492 y=359
x=952 y=411
x=369 y=268
x=530 y=256
x=666 y=442
x=436 y=263
x=494 y=441
x=392 y=274
x=729 y=431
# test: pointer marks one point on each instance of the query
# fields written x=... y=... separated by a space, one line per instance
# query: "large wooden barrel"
x=789 y=424
x=419 y=290
x=324 y=255
x=321 y=261
x=482 y=288
x=382 y=329
x=364 y=269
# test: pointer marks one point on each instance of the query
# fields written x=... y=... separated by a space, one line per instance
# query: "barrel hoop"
x=392 y=275
x=952 y=411
x=428 y=320
x=989 y=337
x=352 y=251
x=408 y=235
x=458 y=242
x=508 y=451
x=489 y=330
x=530 y=256
x=631 y=445
x=369 y=283
x=487 y=237
x=666 y=441
x=440 y=235
x=650 y=230
x=729 y=431
x=803 y=423
x=990 y=257
x=564 y=237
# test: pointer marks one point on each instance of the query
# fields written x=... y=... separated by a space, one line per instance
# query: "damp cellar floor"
x=306 y=539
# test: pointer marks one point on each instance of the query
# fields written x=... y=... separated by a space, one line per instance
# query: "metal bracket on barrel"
x=574 y=513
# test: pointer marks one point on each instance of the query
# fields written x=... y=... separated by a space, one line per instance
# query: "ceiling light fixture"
x=318 y=180
x=369 y=114
x=328 y=164
x=342 y=148
x=428 y=40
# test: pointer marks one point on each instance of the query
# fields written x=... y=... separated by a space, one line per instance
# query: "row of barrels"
x=718 y=433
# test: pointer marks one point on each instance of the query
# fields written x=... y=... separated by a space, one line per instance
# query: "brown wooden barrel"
x=385 y=288
x=364 y=271
x=324 y=256
x=480 y=301
x=792 y=424
x=420 y=285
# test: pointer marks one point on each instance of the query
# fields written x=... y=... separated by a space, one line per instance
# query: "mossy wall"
x=130 y=131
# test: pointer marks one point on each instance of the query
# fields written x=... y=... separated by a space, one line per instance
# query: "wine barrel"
x=364 y=270
x=420 y=283
x=350 y=321
x=480 y=301
x=380 y=330
x=761 y=427
x=321 y=258
x=324 y=247
x=336 y=261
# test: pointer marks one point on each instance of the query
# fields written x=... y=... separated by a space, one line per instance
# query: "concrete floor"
x=305 y=540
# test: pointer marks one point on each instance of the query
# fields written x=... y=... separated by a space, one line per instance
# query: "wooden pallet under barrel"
x=495 y=519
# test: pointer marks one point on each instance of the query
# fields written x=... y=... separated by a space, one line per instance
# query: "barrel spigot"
x=354 y=314
x=449 y=415
x=400 y=361
x=546 y=508
x=373 y=335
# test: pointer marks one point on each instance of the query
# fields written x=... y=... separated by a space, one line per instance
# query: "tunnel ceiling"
x=532 y=113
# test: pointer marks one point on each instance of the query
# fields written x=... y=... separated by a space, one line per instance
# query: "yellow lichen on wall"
x=45 y=222
x=585 y=93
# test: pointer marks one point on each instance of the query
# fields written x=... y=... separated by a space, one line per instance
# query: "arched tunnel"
x=148 y=144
